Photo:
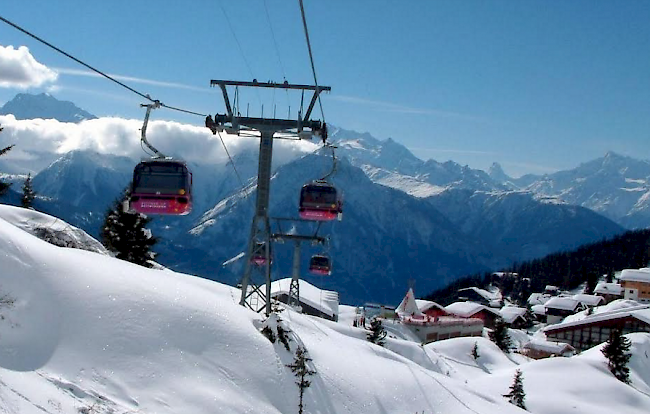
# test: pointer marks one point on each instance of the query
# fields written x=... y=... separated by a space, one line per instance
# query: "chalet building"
x=609 y=291
x=514 y=316
x=538 y=298
x=313 y=301
x=636 y=284
x=482 y=296
x=558 y=308
x=589 y=301
x=473 y=310
x=431 y=323
x=596 y=329
x=552 y=290
x=538 y=349
x=540 y=312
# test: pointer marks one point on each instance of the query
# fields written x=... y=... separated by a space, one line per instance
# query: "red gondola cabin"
x=161 y=187
x=320 y=201
x=320 y=265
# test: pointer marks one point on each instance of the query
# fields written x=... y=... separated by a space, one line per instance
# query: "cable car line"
x=122 y=84
x=311 y=56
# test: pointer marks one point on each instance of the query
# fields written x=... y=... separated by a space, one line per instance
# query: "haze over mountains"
x=403 y=217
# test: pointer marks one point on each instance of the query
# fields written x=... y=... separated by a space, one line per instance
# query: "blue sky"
x=536 y=85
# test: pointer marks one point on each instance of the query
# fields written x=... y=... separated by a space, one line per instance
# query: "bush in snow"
x=126 y=235
x=517 y=395
x=301 y=370
x=274 y=330
x=377 y=334
x=475 y=353
x=4 y=187
x=499 y=335
x=617 y=353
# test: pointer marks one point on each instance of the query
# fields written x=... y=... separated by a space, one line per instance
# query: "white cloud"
x=122 y=137
x=19 y=69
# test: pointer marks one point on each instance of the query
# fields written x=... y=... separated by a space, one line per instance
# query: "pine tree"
x=377 y=334
x=617 y=353
x=126 y=235
x=475 y=353
x=300 y=370
x=499 y=335
x=517 y=395
x=27 y=200
x=4 y=187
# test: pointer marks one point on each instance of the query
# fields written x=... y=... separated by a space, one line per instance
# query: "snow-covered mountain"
x=44 y=105
x=83 y=332
x=615 y=186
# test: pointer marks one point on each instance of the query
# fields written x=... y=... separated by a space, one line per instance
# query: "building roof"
x=488 y=296
x=557 y=348
x=642 y=313
x=590 y=300
x=468 y=309
x=563 y=303
x=636 y=275
x=538 y=309
x=408 y=307
x=538 y=298
x=511 y=313
x=325 y=301
x=425 y=305
x=605 y=288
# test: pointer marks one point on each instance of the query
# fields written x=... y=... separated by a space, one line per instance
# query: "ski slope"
x=81 y=331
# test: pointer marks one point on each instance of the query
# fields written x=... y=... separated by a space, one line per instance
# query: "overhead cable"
x=311 y=57
x=145 y=96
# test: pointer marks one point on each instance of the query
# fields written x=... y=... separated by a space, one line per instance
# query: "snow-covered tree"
x=301 y=370
x=126 y=235
x=4 y=186
x=617 y=353
x=499 y=335
x=517 y=395
x=377 y=334
x=27 y=199
x=475 y=353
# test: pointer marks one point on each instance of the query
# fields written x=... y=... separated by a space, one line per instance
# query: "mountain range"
x=403 y=219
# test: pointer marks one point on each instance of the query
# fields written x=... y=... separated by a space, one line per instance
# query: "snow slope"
x=82 y=332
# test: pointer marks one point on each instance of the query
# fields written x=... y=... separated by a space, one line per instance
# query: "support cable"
x=311 y=57
x=46 y=43
x=241 y=182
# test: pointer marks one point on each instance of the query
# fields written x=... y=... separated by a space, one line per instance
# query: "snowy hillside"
x=85 y=333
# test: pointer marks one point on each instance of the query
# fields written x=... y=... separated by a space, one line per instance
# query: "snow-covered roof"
x=563 y=303
x=488 y=296
x=605 y=288
x=325 y=301
x=551 y=288
x=641 y=313
x=557 y=348
x=636 y=275
x=511 y=313
x=425 y=305
x=408 y=307
x=539 y=298
x=620 y=305
x=590 y=300
x=467 y=309
x=538 y=309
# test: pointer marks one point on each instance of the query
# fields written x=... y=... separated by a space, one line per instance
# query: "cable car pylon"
x=256 y=277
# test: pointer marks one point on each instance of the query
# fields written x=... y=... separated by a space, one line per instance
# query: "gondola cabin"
x=161 y=187
x=320 y=201
x=320 y=265
x=258 y=257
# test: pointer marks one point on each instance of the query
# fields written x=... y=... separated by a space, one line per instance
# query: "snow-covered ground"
x=82 y=332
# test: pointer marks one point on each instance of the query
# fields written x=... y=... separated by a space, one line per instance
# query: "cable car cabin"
x=320 y=265
x=259 y=257
x=320 y=201
x=161 y=187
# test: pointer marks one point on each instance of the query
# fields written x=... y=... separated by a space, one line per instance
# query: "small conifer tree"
x=517 y=395
x=499 y=335
x=125 y=234
x=301 y=370
x=377 y=334
x=27 y=200
x=4 y=187
x=475 y=353
x=617 y=353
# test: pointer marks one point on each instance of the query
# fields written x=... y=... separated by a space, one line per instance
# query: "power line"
x=147 y=97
